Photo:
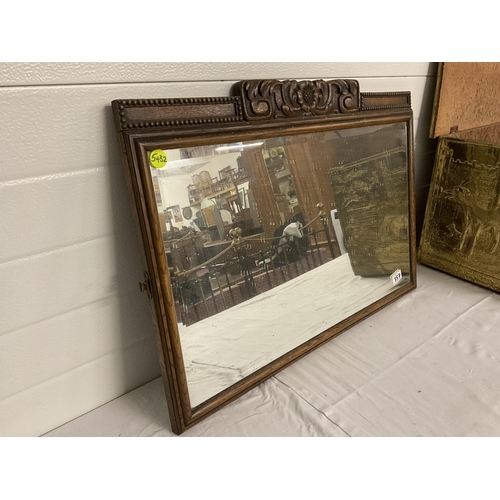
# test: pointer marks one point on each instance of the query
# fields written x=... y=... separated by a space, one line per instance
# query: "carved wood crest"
x=257 y=101
x=269 y=99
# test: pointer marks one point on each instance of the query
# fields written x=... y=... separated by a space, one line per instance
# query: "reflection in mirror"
x=321 y=218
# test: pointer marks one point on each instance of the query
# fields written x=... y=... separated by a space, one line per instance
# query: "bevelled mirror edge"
x=138 y=134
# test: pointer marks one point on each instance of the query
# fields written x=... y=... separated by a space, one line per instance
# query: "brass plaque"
x=461 y=230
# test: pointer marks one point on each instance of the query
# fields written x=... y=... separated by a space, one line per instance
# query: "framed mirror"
x=272 y=220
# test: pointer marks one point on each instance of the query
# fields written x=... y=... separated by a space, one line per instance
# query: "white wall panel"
x=12 y=74
x=75 y=332
x=55 y=282
x=75 y=348
x=63 y=197
x=50 y=404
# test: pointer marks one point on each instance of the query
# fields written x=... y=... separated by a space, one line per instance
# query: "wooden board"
x=467 y=97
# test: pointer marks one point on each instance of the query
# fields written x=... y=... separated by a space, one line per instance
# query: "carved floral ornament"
x=267 y=99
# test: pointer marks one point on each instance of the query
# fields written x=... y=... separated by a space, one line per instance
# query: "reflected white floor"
x=223 y=349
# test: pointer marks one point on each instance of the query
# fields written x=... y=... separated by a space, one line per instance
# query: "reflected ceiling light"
x=239 y=146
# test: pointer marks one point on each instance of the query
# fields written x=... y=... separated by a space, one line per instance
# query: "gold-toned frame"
x=258 y=109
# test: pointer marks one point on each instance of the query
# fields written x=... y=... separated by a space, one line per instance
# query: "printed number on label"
x=396 y=277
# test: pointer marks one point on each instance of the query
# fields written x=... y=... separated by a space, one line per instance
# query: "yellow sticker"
x=158 y=158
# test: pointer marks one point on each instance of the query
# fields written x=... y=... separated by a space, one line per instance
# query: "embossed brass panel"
x=461 y=232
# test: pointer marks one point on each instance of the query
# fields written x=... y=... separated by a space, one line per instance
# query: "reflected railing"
x=235 y=275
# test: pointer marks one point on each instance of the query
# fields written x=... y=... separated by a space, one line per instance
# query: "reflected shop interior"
x=321 y=217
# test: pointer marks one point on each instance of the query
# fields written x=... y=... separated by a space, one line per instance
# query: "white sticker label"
x=396 y=277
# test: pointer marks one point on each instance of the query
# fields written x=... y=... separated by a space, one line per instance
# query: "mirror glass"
x=271 y=242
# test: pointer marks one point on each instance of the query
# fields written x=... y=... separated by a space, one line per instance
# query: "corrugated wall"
x=75 y=332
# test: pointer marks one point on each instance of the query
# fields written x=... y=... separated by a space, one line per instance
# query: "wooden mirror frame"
x=256 y=109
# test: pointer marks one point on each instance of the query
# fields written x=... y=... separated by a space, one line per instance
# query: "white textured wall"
x=75 y=332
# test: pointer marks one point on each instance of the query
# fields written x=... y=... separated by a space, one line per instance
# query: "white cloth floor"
x=426 y=365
